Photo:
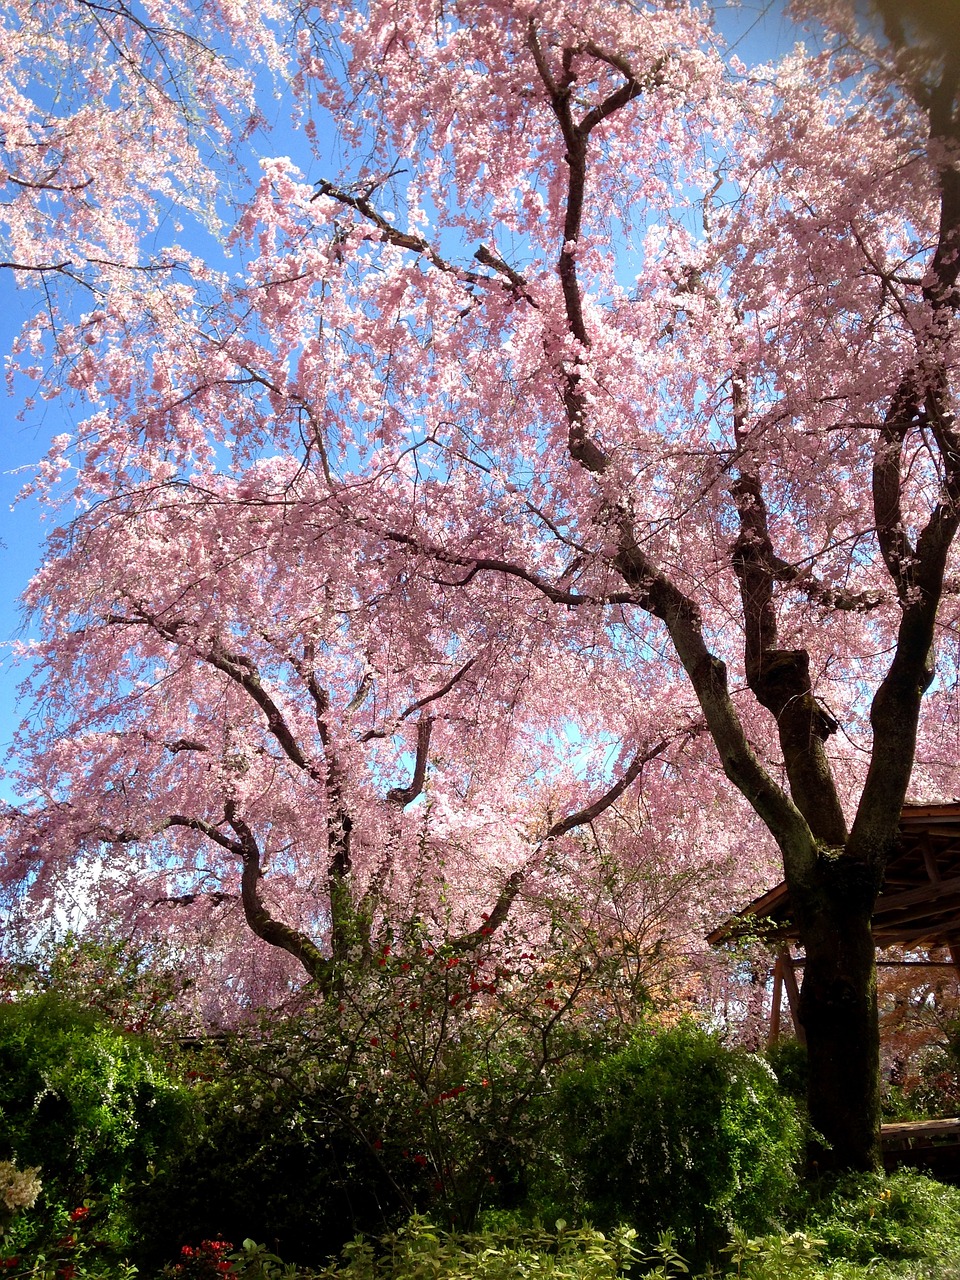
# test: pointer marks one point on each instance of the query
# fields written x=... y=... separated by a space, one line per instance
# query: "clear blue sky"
x=757 y=29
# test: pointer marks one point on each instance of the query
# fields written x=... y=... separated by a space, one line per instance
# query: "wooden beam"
x=931 y=892
x=934 y=933
x=793 y=994
x=933 y=912
x=919 y=1129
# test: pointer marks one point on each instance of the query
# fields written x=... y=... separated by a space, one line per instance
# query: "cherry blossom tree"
x=112 y=118
x=592 y=429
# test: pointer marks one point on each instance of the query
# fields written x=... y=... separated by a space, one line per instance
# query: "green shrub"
x=420 y=1250
x=444 y=1060
x=277 y=1159
x=899 y=1216
x=67 y=1247
x=419 y=1089
x=134 y=988
x=674 y=1132
x=90 y=1106
x=788 y=1058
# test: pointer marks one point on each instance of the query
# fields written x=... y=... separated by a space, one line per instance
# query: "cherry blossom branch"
x=458 y=675
x=593 y=811
x=402 y=796
x=779 y=678
x=239 y=668
x=441 y=692
x=217 y=898
x=245 y=674
x=896 y=548
x=257 y=916
x=501 y=908
x=651 y=589
x=918 y=572
x=46 y=185
x=339 y=821
x=487 y=564
x=576 y=136
x=487 y=259
x=421 y=246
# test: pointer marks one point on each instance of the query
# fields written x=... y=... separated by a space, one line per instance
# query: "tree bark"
x=838 y=1013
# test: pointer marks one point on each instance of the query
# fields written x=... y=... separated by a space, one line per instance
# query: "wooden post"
x=774 y=1034
x=933 y=875
x=793 y=993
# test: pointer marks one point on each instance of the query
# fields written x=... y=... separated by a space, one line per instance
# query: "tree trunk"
x=838 y=1012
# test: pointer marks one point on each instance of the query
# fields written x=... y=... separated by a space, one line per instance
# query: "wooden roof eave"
x=920 y=907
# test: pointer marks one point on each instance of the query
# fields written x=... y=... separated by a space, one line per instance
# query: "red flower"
x=79 y=1214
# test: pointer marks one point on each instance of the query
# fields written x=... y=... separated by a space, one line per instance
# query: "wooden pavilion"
x=918 y=906
x=918 y=909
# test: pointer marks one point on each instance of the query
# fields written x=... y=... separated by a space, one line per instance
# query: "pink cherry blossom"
x=570 y=481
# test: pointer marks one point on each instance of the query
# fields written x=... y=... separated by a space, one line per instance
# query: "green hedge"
x=674 y=1132
x=91 y=1106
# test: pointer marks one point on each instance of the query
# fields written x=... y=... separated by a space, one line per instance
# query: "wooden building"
x=918 y=907
x=918 y=910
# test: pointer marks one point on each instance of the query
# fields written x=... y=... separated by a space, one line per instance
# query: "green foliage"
x=899 y=1217
x=935 y=1091
x=774 y=1257
x=260 y=1158
x=788 y=1058
x=674 y=1131
x=133 y=987
x=210 y=1260
x=69 y=1246
x=420 y=1250
x=89 y=1105
x=417 y=1089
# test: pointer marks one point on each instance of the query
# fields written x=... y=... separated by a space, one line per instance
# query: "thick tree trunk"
x=838 y=1012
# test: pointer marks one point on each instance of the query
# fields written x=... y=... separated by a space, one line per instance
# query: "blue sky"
x=757 y=30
